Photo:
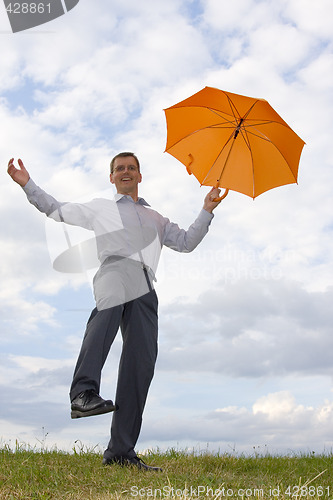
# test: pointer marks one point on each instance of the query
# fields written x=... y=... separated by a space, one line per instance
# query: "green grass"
x=29 y=474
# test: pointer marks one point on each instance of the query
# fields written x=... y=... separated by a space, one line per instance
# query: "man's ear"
x=111 y=179
x=140 y=178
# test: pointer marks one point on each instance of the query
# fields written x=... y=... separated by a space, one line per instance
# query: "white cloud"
x=251 y=328
x=276 y=423
x=309 y=16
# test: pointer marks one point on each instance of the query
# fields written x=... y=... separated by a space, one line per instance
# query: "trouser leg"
x=136 y=369
x=100 y=332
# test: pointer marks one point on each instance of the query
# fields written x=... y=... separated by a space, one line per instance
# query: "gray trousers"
x=137 y=320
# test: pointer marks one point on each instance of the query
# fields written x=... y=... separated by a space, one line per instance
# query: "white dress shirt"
x=127 y=233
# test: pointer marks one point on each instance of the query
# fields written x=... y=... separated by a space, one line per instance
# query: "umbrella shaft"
x=238 y=128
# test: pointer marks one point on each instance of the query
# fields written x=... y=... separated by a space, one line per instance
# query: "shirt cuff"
x=205 y=216
x=30 y=187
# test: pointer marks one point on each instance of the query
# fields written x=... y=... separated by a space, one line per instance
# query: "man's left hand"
x=209 y=203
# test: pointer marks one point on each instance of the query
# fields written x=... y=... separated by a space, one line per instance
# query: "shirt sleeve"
x=76 y=214
x=186 y=241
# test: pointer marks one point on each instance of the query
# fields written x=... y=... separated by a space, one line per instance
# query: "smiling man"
x=125 y=174
x=129 y=238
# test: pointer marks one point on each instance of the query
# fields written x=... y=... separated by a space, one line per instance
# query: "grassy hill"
x=30 y=474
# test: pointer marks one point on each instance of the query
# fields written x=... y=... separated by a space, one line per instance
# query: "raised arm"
x=76 y=214
x=36 y=196
x=185 y=241
x=19 y=175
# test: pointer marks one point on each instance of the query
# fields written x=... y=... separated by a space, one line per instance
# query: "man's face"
x=126 y=175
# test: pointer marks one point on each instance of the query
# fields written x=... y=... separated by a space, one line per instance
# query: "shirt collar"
x=124 y=197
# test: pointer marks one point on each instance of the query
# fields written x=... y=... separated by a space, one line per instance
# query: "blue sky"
x=246 y=319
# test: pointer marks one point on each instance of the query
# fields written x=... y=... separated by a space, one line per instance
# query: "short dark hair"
x=124 y=155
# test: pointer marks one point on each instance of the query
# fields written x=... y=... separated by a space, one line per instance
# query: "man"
x=129 y=237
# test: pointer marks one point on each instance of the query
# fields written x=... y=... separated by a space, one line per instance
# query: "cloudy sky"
x=245 y=351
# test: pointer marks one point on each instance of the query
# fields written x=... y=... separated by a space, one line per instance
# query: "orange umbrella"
x=233 y=141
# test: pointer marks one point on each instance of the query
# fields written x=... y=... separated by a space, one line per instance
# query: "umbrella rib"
x=199 y=130
x=233 y=124
x=264 y=137
x=259 y=134
x=238 y=128
x=244 y=117
x=238 y=121
x=244 y=133
x=222 y=116
x=263 y=122
x=228 y=124
x=232 y=107
x=226 y=161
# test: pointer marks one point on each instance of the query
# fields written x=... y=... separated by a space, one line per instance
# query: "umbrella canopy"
x=233 y=141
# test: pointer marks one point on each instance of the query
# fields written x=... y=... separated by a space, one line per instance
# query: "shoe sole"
x=140 y=466
x=91 y=413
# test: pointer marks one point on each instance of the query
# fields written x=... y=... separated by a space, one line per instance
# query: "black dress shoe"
x=135 y=461
x=89 y=403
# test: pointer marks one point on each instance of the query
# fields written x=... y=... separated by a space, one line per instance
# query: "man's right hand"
x=21 y=175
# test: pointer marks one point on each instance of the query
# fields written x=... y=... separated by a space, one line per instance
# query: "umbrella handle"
x=222 y=197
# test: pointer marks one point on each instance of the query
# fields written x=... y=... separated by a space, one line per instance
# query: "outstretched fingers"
x=11 y=168
x=19 y=175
